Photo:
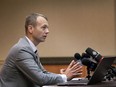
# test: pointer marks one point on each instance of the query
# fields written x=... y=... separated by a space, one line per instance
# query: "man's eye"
x=44 y=27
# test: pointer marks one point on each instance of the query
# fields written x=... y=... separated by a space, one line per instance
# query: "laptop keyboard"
x=78 y=81
x=74 y=82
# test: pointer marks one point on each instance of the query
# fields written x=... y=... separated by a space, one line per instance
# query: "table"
x=102 y=84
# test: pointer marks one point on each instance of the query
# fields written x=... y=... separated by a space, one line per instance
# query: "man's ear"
x=30 y=29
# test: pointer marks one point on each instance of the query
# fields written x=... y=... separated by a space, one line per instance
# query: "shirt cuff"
x=64 y=77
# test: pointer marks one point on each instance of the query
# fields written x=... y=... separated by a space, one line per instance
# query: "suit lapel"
x=24 y=42
x=37 y=57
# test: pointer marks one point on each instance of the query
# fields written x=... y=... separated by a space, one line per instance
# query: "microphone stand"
x=88 y=73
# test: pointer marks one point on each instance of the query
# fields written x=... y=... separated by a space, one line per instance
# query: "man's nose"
x=47 y=31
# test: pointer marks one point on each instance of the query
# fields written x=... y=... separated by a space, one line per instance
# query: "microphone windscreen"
x=77 y=56
x=90 y=64
x=85 y=55
x=94 y=54
x=86 y=62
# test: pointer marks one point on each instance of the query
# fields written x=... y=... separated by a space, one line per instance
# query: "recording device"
x=85 y=55
x=90 y=59
x=90 y=64
x=78 y=58
x=85 y=60
x=95 y=55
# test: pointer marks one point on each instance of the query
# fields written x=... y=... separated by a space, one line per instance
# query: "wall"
x=74 y=25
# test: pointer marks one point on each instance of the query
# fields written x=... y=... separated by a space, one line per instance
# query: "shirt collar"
x=34 y=48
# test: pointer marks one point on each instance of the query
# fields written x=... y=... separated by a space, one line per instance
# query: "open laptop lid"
x=101 y=70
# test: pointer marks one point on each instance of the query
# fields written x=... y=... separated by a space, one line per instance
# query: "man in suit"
x=23 y=68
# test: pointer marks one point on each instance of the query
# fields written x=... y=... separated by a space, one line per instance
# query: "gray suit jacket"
x=22 y=68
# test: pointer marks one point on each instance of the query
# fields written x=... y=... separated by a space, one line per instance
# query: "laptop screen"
x=101 y=70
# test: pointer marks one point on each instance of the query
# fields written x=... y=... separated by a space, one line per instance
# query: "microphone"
x=78 y=57
x=95 y=55
x=90 y=64
x=85 y=55
x=87 y=61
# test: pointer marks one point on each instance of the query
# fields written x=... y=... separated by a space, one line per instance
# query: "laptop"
x=97 y=76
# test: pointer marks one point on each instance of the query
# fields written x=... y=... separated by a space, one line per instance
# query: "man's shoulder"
x=22 y=44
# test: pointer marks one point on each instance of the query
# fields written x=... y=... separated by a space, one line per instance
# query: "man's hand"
x=74 y=69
